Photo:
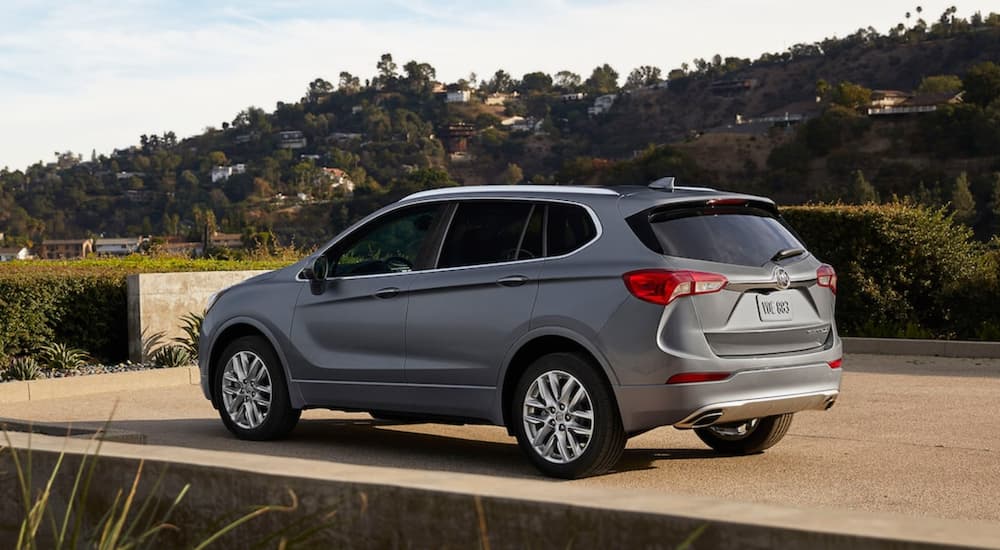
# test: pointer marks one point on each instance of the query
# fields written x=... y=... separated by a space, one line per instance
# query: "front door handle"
x=513 y=280
x=384 y=293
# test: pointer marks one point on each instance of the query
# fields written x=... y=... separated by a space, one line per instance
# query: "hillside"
x=308 y=168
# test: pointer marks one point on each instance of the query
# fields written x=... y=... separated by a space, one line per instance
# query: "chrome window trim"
x=593 y=216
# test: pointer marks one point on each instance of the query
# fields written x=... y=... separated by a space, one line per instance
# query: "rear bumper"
x=748 y=393
x=731 y=411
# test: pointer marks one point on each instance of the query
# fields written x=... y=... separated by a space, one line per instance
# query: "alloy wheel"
x=246 y=390
x=558 y=417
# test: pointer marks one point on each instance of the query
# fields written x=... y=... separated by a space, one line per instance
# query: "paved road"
x=918 y=436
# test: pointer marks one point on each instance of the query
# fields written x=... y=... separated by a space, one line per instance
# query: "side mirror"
x=317 y=273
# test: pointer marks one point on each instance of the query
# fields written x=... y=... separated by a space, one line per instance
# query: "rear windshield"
x=740 y=237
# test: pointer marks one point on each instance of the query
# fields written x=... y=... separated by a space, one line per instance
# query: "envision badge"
x=781 y=276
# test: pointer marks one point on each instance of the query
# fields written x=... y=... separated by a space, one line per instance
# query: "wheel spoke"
x=544 y=433
x=534 y=403
x=567 y=389
x=571 y=440
x=586 y=415
x=534 y=419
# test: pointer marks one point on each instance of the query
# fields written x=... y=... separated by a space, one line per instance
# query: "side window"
x=569 y=227
x=485 y=232
x=395 y=243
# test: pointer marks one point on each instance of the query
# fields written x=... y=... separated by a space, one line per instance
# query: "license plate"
x=774 y=309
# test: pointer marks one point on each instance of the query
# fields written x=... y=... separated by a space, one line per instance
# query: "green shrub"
x=171 y=356
x=191 y=325
x=903 y=269
x=23 y=368
x=61 y=357
x=83 y=303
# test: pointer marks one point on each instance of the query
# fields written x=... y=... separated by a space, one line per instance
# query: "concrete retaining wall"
x=906 y=346
x=372 y=507
x=157 y=301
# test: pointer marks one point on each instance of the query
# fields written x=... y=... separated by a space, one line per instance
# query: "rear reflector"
x=691 y=377
x=835 y=364
x=827 y=277
x=660 y=286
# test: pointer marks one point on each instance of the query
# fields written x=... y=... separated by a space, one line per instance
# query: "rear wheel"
x=565 y=417
x=251 y=391
x=747 y=436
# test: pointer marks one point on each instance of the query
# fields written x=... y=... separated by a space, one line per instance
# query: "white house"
x=339 y=179
x=291 y=139
x=116 y=247
x=602 y=105
x=499 y=98
x=578 y=96
x=458 y=96
x=521 y=124
x=222 y=173
x=16 y=253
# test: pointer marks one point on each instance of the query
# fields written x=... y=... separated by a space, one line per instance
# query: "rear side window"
x=569 y=227
x=745 y=236
x=486 y=232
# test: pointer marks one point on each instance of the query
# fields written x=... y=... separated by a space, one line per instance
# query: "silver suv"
x=577 y=317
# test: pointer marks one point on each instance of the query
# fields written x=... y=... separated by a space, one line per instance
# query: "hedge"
x=904 y=270
x=81 y=303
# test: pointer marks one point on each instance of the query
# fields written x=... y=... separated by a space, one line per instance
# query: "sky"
x=85 y=75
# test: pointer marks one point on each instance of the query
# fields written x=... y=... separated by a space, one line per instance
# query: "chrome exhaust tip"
x=706 y=419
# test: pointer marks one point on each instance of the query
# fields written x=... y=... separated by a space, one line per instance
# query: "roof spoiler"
x=663 y=184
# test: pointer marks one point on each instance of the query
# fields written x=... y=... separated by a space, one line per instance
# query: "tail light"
x=827 y=277
x=660 y=286
x=835 y=364
x=692 y=377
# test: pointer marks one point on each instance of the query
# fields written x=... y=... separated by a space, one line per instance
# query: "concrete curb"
x=56 y=388
x=378 y=507
x=907 y=346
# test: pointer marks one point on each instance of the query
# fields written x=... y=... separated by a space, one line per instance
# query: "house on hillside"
x=888 y=98
x=499 y=98
x=339 y=179
x=117 y=247
x=577 y=96
x=65 y=249
x=458 y=96
x=340 y=138
x=226 y=240
x=521 y=124
x=732 y=86
x=291 y=139
x=222 y=173
x=15 y=253
x=602 y=104
x=925 y=103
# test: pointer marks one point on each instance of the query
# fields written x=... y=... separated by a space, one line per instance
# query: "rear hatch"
x=776 y=298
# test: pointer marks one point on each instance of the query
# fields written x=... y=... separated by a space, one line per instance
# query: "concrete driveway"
x=918 y=436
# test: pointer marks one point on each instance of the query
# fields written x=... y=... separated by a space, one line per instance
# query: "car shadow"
x=371 y=442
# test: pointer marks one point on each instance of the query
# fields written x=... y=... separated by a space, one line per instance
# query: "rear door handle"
x=384 y=293
x=513 y=280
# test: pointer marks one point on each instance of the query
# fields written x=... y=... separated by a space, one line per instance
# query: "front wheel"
x=565 y=417
x=747 y=436
x=251 y=391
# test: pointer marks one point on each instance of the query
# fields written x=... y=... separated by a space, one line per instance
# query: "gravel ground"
x=128 y=366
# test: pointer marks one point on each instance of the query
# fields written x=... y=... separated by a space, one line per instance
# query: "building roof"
x=933 y=99
x=99 y=242
x=64 y=241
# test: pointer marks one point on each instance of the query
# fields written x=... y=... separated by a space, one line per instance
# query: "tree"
x=982 y=83
x=822 y=88
x=995 y=202
x=419 y=77
x=645 y=75
x=512 y=175
x=862 y=192
x=387 y=74
x=962 y=202
x=536 y=82
x=500 y=83
x=349 y=84
x=939 y=84
x=567 y=81
x=603 y=80
x=851 y=95
x=318 y=89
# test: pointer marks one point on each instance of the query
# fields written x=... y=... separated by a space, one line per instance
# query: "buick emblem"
x=781 y=276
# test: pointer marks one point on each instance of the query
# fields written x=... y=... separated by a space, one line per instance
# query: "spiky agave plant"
x=170 y=356
x=191 y=325
x=23 y=368
x=151 y=343
x=61 y=357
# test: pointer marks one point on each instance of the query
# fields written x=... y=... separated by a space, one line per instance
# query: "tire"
x=575 y=454
x=244 y=368
x=760 y=434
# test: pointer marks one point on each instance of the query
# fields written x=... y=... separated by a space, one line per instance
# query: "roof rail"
x=487 y=189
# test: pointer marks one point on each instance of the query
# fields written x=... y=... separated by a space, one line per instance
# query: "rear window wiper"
x=786 y=253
